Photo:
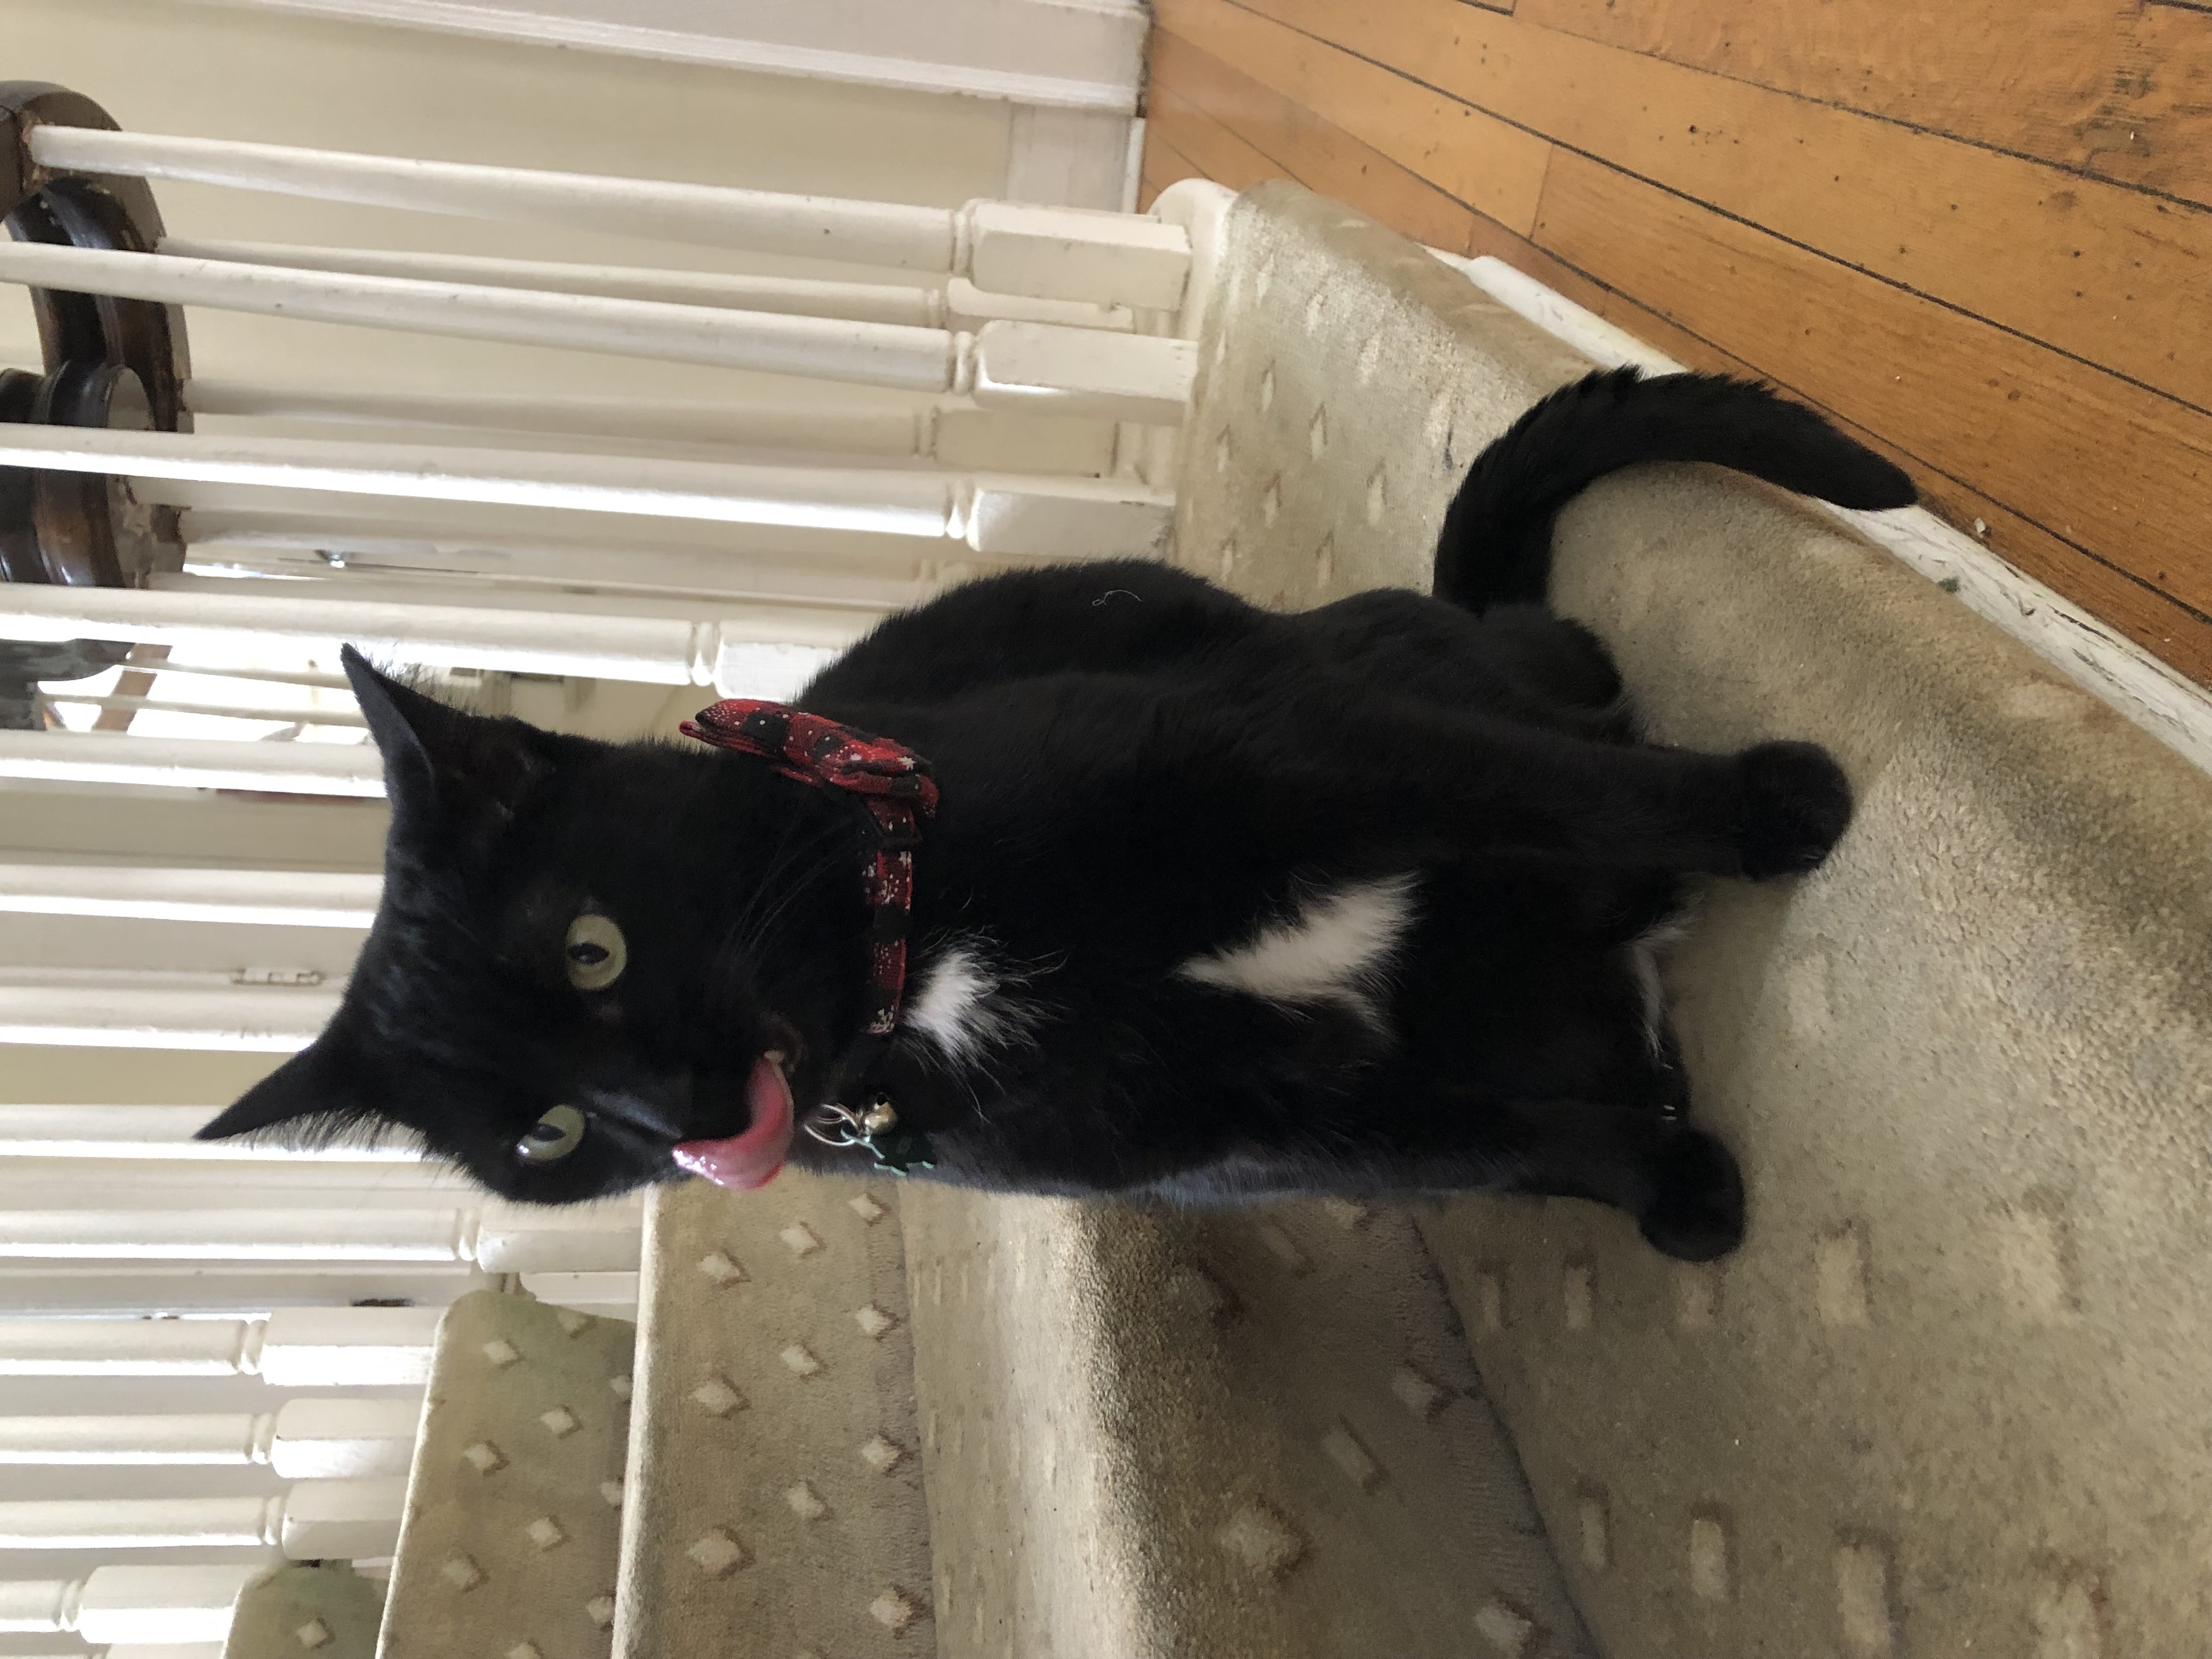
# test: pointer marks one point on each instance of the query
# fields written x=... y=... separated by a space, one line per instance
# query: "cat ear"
x=318 y=1091
x=441 y=765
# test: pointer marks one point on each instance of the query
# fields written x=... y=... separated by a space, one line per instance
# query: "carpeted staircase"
x=1950 y=1397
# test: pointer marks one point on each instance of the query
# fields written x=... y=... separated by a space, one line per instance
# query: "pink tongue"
x=752 y=1159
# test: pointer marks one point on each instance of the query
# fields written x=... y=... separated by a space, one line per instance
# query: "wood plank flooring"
x=1979 y=234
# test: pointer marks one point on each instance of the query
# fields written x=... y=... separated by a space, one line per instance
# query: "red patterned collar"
x=893 y=785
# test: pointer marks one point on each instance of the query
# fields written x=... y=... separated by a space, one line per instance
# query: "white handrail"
x=278 y=898
x=1068 y=253
x=998 y=514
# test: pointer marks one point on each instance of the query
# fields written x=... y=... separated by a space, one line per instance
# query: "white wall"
x=1076 y=54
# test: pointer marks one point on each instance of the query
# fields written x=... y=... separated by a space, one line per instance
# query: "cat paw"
x=1796 y=804
x=1696 y=1210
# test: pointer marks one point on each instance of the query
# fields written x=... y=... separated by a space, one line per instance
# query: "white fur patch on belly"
x=964 y=1005
x=1336 y=948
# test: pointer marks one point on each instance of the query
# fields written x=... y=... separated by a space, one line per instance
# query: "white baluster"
x=284 y=545
x=348 y=1347
x=998 y=515
x=868 y=354
x=1145 y=378
x=959 y=304
x=229 y=711
x=334 y=1439
x=297 y=768
x=499 y=1239
x=203 y=1438
x=865 y=232
x=848 y=429
x=292 y=1348
x=134 y=1347
x=856 y=302
x=316 y=1520
x=159 y=1133
x=142 y=1523
x=344 y=1519
x=951 y=430
x=253 y=1018
x=275 y=898
x=658 y=650
x=1067 y=254
x=128 y=1604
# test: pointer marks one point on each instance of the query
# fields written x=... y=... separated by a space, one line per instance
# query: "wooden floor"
x=1977 y=233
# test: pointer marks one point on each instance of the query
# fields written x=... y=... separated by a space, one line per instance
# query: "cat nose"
x=657 y=1105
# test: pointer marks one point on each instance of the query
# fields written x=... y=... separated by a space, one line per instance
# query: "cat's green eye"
x=594 y=953
x=553 y=1137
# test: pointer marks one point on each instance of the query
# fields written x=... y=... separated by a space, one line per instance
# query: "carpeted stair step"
x=510 y=1542
x=776 y=1504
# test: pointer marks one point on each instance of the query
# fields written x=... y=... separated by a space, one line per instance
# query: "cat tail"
x=1496 y=545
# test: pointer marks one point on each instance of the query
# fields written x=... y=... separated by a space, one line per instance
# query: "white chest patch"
x=1337 y=948
x=965 y=1005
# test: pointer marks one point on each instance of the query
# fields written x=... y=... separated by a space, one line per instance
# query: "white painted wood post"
x=497 y=1238
x=316 y=1439
x=252 y=1522
x=128 y=1604
x=613 y=565
x=293 y=768
x=1002 y=515
x=1065 y=253
x=951 y=430
x=958 y=305
x=275 y=898
x=1117 y=377
x=232 y=1019
x=316 y=1520
x=203 y=1438
x=163 y=1134
x=291 y=1348
x=230 y=711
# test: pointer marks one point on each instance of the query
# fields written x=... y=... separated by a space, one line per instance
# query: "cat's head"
x=587 y=955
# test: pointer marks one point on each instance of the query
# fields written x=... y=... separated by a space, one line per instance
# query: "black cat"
x=1216 y=903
